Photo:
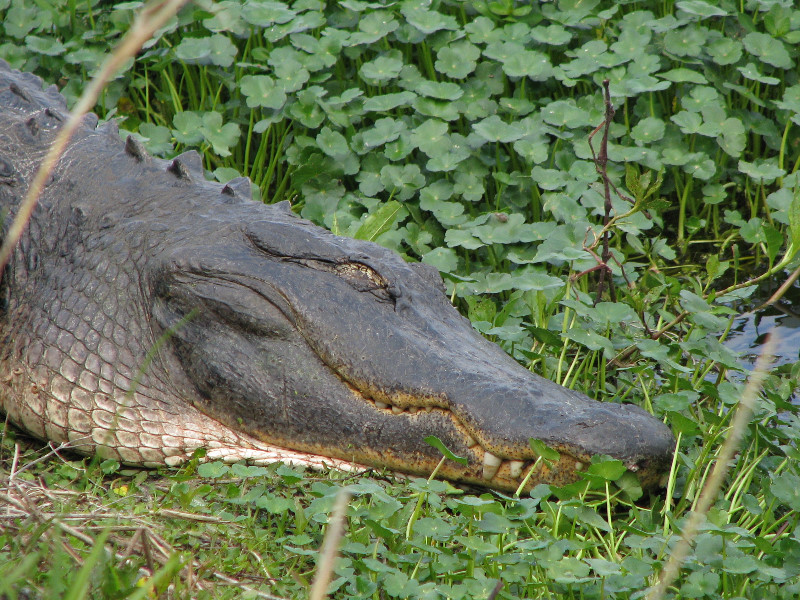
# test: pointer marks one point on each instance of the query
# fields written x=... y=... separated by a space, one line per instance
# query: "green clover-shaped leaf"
x=441 y=109
x=441 y=90
x=402 y=180
x=384 y=131
x=332 y=142
x=187 y=127
x=630 y=43
x=548 y=179
x=216 y=49
x=290 y=75
x=427 y=21
x=158 y=139
x=761 y=170
x=221 y=136
x=373 y=26
x=47 y=46
x=786 y=488
x=528 y=63
x=689 y=122
x=444 y=259
x=458 y=59
x=381 y=69
x=686 y=41
x=725 y=51
x=553 y=35
x=699 y=8
x=261 y=90
x=431 y=137
x=494 y=129
x=469 y=186
x=265 y=14
x=701 y=167
x=649 y=129
x=388 y=102
x=565 y=113
x=768 y=49
x=733 y=137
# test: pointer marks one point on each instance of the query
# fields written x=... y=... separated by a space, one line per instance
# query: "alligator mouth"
x=492 y=470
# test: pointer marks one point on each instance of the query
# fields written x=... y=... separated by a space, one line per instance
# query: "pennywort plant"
x=458 y=133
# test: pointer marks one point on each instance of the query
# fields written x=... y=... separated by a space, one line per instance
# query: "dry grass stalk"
x=717 y=477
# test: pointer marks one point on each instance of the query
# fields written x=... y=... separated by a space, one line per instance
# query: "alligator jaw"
x=485 y=468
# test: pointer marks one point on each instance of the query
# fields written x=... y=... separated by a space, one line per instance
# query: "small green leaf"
x=427 y=21
x=213 y=470
x=768 y=49
x=383 y=68
x=725 y=51
x=47 y=46
x=541 y=449
x=261 y=90
x=494 y=129
x=434 y=441
x=221 y=136
x=216 y=49
x=265 y=14
x=388 y=102
x=608 y=469
x=686 y=41
x=699 y=8
x=794 y=219
x=109 y=466
x=457 y=60
x=761 y=170
x=440 y=90
x=158 y=139
x=379 y=222
x=332 y=142
x=373 y=26
x=649 y=129
x=187 y=127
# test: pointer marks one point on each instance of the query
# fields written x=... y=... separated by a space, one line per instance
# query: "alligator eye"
x=360 y=276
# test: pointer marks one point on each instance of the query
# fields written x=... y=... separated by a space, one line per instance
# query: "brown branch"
x=601 y=166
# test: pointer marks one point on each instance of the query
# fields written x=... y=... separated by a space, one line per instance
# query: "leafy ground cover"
x=458 y=134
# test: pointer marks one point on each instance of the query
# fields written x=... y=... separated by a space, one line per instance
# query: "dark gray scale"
x=187 y=166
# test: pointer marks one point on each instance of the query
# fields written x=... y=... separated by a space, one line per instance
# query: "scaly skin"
x=149 y=312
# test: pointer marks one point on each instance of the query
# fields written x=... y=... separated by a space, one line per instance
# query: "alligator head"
x=148 y=310
x=339 y=347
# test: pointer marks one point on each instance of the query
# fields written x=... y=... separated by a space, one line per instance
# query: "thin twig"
x=53 y=452
x=715 y=480
x=330 y=546
x=601 y=165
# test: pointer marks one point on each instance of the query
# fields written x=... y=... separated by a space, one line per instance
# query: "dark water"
x=750 y=329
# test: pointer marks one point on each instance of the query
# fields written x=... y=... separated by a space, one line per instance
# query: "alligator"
x=148 y=312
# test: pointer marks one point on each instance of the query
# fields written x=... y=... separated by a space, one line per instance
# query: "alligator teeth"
x=491 y=464
x=413 y=409
x=397 y=410
x=515 y=467
x=380 y=404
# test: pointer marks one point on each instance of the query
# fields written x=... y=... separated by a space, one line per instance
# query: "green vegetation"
x=458 y=134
